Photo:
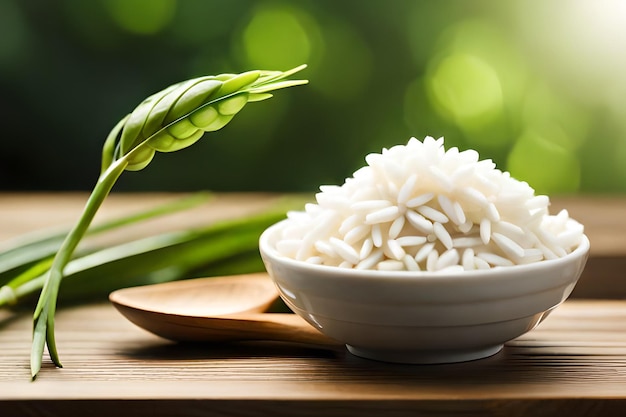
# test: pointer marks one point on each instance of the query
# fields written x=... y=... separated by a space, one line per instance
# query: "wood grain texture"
x=573 y=364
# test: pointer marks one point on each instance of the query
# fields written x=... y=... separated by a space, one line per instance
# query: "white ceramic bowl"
x=422 y=317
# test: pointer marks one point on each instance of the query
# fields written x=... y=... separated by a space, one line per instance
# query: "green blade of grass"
x=225 y=247
x=23 y=252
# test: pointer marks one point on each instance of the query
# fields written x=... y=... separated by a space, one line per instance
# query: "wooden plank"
x=603 y=217
x=603 y=277
x=605 y=224
x=574 y=362
x=22 y=213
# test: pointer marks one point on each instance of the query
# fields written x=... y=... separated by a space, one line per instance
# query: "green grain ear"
x=178 y=116
x=172 y=119
x=134 y=124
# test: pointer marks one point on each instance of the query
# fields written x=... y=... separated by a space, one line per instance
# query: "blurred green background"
x=538 y=86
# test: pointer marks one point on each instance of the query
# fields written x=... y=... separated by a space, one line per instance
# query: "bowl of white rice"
x=425 y=255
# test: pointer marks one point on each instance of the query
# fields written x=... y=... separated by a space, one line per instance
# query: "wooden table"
x=573 y=364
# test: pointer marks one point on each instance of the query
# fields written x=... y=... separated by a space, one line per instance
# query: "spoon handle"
x=238 y=327
x=276 y=327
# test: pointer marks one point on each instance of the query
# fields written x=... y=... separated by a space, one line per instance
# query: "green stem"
x=43 y=333
x=11 y=292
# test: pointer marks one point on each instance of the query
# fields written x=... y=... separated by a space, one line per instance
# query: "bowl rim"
x=499 y=273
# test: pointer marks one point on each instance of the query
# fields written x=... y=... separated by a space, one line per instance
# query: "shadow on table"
x=512 y=366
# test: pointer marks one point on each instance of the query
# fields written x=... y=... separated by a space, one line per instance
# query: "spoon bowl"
x=216 y=309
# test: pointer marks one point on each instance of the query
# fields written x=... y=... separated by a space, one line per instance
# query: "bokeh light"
x=547 y=167
x=13 y=35
x=539 y=87
x=476 y=80
x=143 y=17
x=554 y=117
x=345 y=66
x=580 y=45
x=466 y=90
x=278 y=36
x=202 y=25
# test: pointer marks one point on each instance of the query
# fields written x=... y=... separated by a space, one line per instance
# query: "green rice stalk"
x=167 y=121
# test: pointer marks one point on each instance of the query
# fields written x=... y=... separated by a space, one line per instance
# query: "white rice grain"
x=448 y=209
x=492 y=213
x=418 y=221
x=325 y=248
x=532 y=255
x=409 y=263
x=447 y=259
x=343 y=249
x=480 y=263
x=384 y=215
x=466 y=242
x=511 y=248
x=420 y=200
x=390 y=265
x=423 y=252
x=377 y=236
x=396 y=227
x=356 y=234
x=467 y=259
x=537 y=202
x=547 y=252
x=466 y=227
x=350 y=223
x=459 y=213
x=493 y=259
x=395 y=250
x=371 y=261
x=366 y=248
x=370 y=205
x=452 y=209
x=431 y=260
x=441 y=178
x=317 y=260
x=432 y=214
x=411 y=240
x=512 y=231
x=485 y=230
x=571 y=236
x=473 y=196
x=411 y=201
x=442 y=234
x=407 y=189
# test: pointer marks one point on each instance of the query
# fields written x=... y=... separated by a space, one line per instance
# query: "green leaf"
x=163 y=257
x=21 y=253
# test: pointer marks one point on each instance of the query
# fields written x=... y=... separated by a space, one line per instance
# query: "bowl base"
x=424 y=357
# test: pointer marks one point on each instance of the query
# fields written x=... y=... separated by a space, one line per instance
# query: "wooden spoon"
x=216 y=309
